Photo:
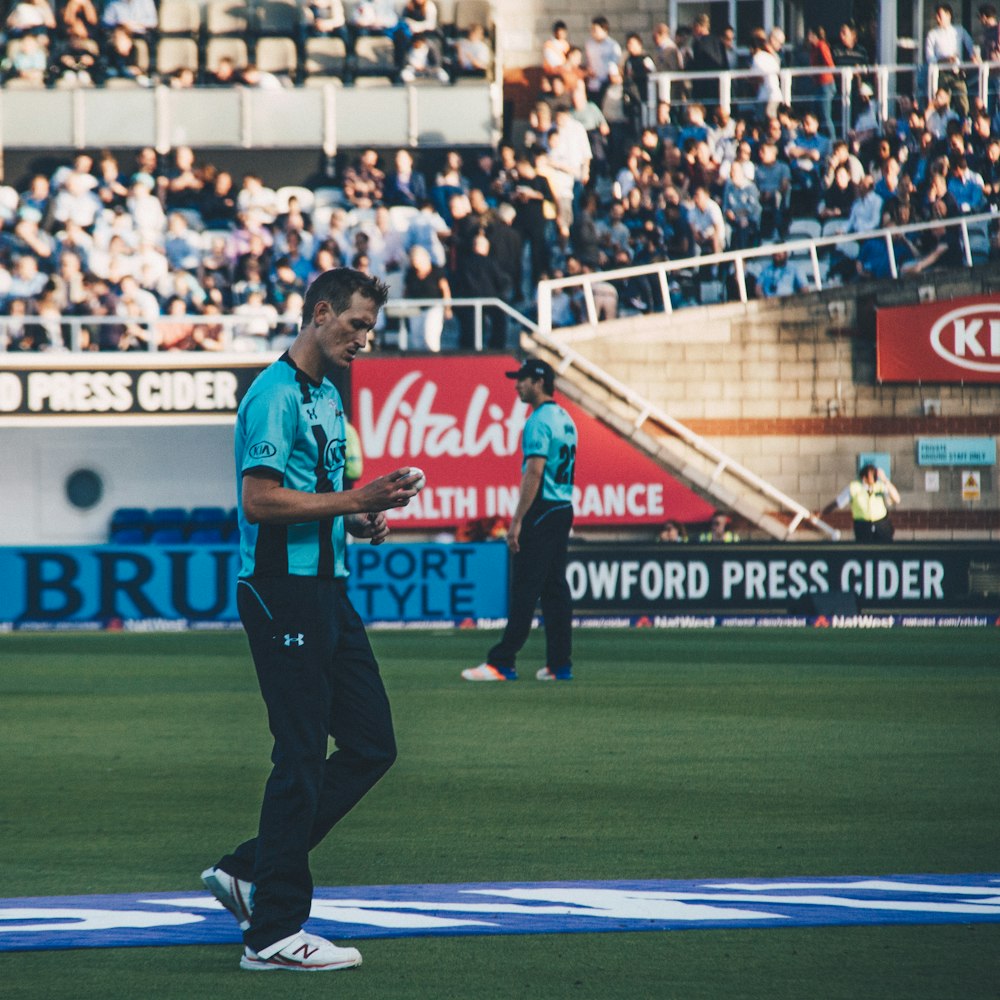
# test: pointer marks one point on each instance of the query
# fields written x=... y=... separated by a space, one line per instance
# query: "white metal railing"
x=661 y=270
x=885 y=80
x=228 y=333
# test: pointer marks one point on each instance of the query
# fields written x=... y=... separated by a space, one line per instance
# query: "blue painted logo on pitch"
x=512 y=908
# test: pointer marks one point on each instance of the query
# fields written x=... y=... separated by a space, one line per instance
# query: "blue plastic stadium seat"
x=167 y=536
x=130 y=517
x=207 y=517
x=128 y=536
x=164 y=518
x=205 y=536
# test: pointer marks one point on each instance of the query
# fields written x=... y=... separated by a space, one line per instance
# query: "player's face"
x=341 y=335
x=528 y=390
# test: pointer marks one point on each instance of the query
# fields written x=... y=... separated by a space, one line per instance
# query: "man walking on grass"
x=539 y=534
x=315 y=666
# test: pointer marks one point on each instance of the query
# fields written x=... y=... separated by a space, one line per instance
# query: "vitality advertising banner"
x=195 y=584
x=459 y=419
x=678 y=579
x=150 y=389
x=953 y=341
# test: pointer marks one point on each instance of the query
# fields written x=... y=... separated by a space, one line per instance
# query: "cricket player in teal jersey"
x=539 y=534
x=316 y=670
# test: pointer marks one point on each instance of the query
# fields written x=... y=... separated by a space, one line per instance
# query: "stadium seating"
x=209 y=525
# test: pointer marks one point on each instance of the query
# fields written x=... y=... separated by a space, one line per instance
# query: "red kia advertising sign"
x=459 y=419
x=953 y=341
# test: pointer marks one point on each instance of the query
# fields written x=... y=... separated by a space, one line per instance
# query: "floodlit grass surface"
x=132 y=762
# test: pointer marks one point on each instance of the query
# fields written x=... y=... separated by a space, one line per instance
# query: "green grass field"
x=131 y=762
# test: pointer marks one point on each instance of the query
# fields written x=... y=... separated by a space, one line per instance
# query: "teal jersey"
x=551 y=434
x=295 y=428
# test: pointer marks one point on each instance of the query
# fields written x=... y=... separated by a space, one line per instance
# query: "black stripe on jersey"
x=323 y=485
x=270 y=554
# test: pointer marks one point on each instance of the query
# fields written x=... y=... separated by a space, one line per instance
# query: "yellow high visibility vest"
x=868 y=504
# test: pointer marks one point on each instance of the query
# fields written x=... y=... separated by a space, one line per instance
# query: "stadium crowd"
x=599 y=183
x=91 y=42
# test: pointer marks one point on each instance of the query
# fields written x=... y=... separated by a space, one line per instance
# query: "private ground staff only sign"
x=953 y=341
x=460 y=421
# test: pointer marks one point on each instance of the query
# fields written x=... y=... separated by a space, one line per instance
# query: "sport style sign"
x=460 y=421
x=953 y=341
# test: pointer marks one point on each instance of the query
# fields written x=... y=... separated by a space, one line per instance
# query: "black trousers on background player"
x=539 y=572
x=319 y=678
x=874 y=532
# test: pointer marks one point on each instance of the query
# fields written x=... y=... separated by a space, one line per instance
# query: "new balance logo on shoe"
x=295 y=640
x=305 y=951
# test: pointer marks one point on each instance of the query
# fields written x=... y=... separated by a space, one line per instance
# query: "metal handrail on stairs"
x=644 y=410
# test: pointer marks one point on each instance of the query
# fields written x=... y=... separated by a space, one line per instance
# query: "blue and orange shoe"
x=562 y=674
x=487 y=672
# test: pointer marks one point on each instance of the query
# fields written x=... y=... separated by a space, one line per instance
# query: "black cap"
x=533 y=368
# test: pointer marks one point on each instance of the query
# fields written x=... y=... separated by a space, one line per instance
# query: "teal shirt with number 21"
x=551 y=434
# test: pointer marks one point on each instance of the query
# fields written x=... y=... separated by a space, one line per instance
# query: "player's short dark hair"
x=338 y=286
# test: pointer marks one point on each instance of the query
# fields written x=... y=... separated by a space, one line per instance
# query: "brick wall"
x=788 y=388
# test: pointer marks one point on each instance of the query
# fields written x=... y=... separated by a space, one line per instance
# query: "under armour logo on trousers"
x=295 y=640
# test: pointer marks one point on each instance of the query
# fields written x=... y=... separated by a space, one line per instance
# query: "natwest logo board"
x=953 y=341
x=459 y=419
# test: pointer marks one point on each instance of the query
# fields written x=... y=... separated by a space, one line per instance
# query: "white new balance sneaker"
x=301 y=952
x=487 y=672
x=234 y=894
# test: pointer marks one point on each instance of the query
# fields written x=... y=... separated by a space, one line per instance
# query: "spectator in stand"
x=326 y=19
x=364 y=182
x=780 y=278
x=530 y=197
x=966 y=187
x=29 y=61
x=774 y=181
x=666 y=56
x=184 y=185
x=425 y=280
x=76 y=201
x=741 y=208
x=473 y=56
x=604 y=56
x=940 y=113
x=225 y=74
x=137 y=17
x=865 y=130
x=405 y=185
x=422 y=62
x=708 y=227
x=766 y=63
x=371 y=17
x=448 y=181
x=572 y=152
x=866 y=212
x=120 y=57
x=946 y=46
x=991 y=172
x=32 y=18
x=76 y=55
x=180 y=245
x=850 y=52
x=478 y=276
x=637 y=69
x=838 y=197
x=807 y=152
x=111 y=187
x=824 y=82
x=507 y=251
x=708 y=55
x=555 y=50
x=418 y=20
x=217 y=205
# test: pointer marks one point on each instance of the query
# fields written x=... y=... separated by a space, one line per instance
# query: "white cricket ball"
x=421 y=482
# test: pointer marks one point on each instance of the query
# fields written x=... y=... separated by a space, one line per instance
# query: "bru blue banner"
x=195 y=584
